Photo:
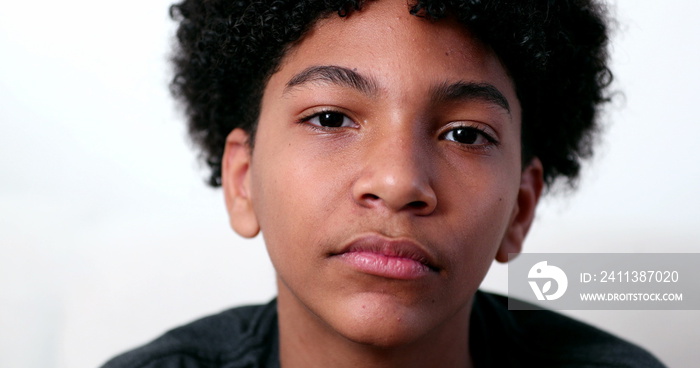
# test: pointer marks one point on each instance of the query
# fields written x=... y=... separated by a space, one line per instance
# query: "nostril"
x=371 y=197
x=419 y=205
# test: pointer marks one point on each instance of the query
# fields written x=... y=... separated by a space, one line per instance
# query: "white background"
x=108 y=235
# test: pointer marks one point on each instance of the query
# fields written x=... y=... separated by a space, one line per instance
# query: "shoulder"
x=544 y=336
x=245 y=334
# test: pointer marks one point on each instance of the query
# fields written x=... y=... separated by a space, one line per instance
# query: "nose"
x=396 y=174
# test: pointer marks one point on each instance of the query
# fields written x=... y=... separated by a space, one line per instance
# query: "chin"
x=381 y=321
x=381 y=335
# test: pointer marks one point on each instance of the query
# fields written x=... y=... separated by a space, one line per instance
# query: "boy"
x=388 y=151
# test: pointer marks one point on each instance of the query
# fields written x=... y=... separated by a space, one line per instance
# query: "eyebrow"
x=445 y=92
x=334 y=75
x=465 y=91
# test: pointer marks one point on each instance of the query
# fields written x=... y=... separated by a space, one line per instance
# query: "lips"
x=389 y=258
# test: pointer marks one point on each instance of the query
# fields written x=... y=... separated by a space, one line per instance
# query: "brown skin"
x=396 y=170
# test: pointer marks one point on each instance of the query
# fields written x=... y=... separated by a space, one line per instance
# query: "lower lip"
x=386 y=266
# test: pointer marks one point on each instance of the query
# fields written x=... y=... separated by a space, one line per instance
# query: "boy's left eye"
x=469 y=136
x=330 y=119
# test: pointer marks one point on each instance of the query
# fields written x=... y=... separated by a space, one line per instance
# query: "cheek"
x=294 y=196
x=477 y=208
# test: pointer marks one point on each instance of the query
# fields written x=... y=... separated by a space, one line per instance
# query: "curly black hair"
x=554 y=50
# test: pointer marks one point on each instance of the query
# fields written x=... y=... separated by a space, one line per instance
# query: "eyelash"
x=472 y=128
x=306 y=118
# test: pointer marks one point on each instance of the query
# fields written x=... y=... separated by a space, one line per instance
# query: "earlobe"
x=235 y=181
x=531 y=184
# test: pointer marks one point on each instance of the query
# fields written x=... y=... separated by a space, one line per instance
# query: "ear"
x=531 y=184
x=236 y=183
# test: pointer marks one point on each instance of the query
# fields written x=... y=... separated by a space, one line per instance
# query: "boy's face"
x=386 y=174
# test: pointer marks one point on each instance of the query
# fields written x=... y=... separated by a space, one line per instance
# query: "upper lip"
x=391 y=247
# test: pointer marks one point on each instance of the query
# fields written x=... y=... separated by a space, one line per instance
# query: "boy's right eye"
x=330 y=119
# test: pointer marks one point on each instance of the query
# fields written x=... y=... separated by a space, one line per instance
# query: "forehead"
x=398 y=50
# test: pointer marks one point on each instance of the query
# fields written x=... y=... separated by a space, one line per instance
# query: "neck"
x=308 y=341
